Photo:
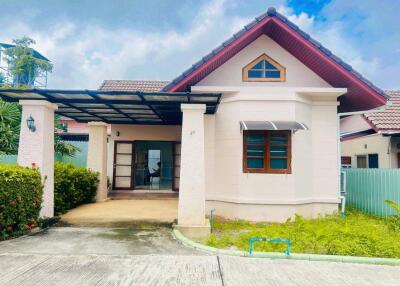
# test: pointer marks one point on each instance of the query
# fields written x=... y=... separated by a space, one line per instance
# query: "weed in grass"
x=357 y=234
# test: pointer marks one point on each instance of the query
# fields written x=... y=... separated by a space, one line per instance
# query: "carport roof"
x=117 y=107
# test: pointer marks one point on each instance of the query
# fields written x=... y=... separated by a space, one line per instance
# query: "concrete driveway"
x=149 y=255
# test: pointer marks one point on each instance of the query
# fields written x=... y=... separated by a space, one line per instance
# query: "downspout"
x=389 y=151
x=339 y=147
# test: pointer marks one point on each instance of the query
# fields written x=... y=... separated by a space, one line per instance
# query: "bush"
x=21 y=192
x=394 y=220
x=73 y=186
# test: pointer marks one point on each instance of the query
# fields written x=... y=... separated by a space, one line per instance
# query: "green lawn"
x=357 y=234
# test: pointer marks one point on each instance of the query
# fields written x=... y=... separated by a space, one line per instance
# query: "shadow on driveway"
x=118 y=239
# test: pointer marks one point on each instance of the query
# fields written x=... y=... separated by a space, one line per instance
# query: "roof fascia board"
x=333 y=63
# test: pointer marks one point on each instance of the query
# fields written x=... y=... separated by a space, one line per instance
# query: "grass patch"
x=357 y=234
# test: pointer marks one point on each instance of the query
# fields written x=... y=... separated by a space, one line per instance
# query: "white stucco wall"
x=273 y=197
x=312 y=187
x=230 y=73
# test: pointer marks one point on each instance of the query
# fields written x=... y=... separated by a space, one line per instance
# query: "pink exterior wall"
x=353 y=123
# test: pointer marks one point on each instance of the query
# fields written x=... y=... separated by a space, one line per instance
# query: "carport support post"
x=191 y=207
x=36 y=146
x=97 y=156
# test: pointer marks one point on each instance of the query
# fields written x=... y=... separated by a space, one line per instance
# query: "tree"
x=10 y=118
x=62 y=148
x=23 y=65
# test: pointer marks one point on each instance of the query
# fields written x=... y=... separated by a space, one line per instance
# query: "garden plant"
x=357 y=234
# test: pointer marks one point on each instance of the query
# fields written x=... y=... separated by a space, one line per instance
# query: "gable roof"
x=388 y=120
x=361 y=95
x=133 y=85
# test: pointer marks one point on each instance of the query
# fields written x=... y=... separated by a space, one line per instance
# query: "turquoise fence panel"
x=8 y=159
x=80 y=157
x=78 y=160
x=367 y=190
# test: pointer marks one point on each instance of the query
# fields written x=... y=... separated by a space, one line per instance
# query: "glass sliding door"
x=123 y=166
x=153 y=166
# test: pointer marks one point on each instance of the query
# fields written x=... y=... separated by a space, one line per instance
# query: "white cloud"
x=83 y=56
x=333 y=36
x=303 y=20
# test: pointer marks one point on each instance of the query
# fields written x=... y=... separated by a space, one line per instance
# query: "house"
x=251 y=129
x=372 y=140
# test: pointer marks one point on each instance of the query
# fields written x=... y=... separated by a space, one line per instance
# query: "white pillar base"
x=195 y=231
x=97 y=156
x=36 y=148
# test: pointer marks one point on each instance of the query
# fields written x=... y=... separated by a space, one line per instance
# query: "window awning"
x=272 y=125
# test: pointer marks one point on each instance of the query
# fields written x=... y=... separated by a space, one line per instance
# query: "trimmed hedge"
x=21 y=192
x=73 y=186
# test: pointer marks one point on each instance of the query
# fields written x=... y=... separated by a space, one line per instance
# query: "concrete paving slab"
x=128 y=256
x=99 y=240
x=113 y=211
x=58 y=270
x=261 y=271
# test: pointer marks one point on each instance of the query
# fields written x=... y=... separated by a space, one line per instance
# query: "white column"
x=36 y=147
x=97 y=156
x=191 y=208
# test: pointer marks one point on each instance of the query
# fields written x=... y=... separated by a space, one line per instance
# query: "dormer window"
x=264 y=68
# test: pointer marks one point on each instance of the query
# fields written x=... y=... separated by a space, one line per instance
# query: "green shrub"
x=394 y=220
x=21 y=192
x=73 y=186
x=357 y=234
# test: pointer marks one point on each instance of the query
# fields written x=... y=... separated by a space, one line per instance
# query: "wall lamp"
x=30 y=122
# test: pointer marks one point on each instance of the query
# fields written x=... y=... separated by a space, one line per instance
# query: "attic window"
x=264 y=68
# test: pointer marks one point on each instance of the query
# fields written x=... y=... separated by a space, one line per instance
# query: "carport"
x=99 y=108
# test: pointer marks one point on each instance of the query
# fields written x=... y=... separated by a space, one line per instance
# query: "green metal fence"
x=8 y=159
x=78 y=160
x=80 y=157
x=367 y=190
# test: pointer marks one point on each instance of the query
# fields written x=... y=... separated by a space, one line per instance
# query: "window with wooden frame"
x=264 y=68
x=267 y=152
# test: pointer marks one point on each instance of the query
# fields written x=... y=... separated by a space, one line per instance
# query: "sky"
x=89 y=41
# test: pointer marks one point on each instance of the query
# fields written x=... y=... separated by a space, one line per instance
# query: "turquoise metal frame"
x=274 y=240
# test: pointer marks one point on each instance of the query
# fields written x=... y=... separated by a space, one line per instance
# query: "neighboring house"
x=372 y=140
x=251 y=129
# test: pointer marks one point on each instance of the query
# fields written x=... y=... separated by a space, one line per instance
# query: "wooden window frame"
x=267 y=155
x=282 y=70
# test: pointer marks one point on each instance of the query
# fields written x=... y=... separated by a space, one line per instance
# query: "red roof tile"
x=389 y=119
x=133 y=85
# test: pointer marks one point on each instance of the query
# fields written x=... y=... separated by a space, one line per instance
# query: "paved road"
x=102 y=256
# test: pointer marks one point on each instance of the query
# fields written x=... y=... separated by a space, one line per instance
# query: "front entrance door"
x=146 y=165
x=123 y=160
x=153 y=169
